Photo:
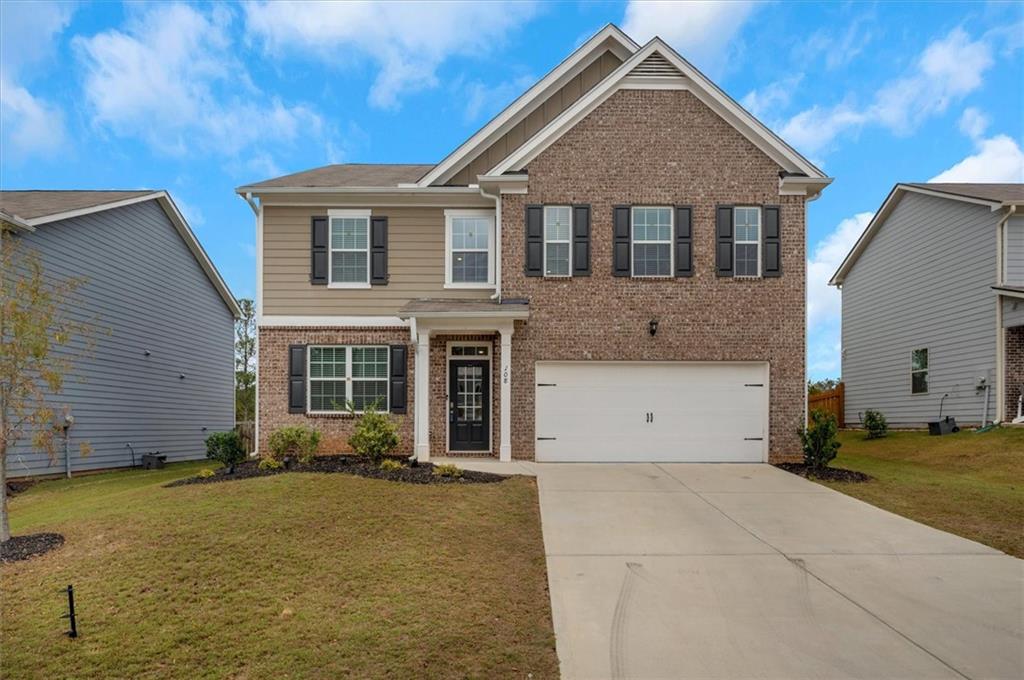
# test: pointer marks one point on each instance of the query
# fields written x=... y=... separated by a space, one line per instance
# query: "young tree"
x=245 y=361
x=34 y=322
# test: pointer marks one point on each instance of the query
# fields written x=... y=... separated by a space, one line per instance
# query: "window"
x=350 y=248
x=652 y=241
x=339 y=375
x=557 y=240
x=470 y=248
x=469 y=351
x=747 y=242
x=919 y=371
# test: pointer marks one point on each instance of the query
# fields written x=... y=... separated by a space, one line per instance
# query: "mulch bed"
x=23 y=547
x=829 y=474
x=421 y=474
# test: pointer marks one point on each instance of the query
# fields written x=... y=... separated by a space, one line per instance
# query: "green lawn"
x=968 y=484
x=297 y=575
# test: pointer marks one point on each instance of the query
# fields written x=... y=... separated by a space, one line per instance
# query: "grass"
x=968 y=484
x=296 y=575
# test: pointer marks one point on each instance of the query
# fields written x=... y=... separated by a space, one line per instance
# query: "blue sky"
x=199 y=99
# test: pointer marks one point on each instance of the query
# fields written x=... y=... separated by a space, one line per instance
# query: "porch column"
x=505 y=449
x=422 y=406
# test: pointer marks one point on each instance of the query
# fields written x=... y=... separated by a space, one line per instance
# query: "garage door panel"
x=651 y=412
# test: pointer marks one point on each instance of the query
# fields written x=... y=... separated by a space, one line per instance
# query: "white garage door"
x=635 y=411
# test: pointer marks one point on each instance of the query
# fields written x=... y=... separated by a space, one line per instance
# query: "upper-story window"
x=652 y=241
x=747 y=242
x=557 y=240
x=469 y=248
x=350 y=248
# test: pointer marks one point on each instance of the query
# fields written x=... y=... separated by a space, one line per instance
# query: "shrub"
x=819 y=440
x=225 y=448
x=391 y=465
x=374 y=435
x=293 y=441
x=875 y=424
x=206 y=472
x=270 y=463
x=448 y=470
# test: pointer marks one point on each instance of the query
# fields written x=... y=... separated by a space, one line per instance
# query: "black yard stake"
x=73 y=633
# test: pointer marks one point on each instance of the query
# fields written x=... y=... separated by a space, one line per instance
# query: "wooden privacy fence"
x=831 y=401
x=246 y=429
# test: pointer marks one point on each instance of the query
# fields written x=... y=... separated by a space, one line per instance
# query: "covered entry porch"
x=459 y=379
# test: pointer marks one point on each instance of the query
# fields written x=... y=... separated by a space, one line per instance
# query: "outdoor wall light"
x=181 y=376
x=146 y=352
x=652 y=327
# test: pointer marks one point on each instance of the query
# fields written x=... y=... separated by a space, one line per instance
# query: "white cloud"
x=767 y=101
x=30 y=125
x=701 y=31
x=835 y=48
x=973 y=123
x=170 y=78
x=998 y=159
x=406 y=41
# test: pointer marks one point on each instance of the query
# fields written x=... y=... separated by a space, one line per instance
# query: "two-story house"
x=612 y=269
x=933 y=306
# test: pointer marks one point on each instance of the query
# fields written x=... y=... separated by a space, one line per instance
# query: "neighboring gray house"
x=160 y=373
x=933 y=305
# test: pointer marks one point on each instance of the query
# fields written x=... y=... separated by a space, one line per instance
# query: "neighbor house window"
x=469 y=248
x=350 y=248
x=919 y=371
x=652 y=241
x=557 y=243
x=339 y=375
x=747 y=242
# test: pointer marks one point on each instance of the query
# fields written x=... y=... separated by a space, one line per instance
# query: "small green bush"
x=875 y=424
x=819 y=440
x=269 y=463
x=391 y=465
x=206 y=472
x=225 y=448
x=374 y=436
x=293 y=441
x=448 y=470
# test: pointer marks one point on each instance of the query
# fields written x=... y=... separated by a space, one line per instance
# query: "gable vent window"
x=350 y=248
x=557 y=240
x=747 y=225
x=652 y=242
x=469 y=238
x=919 y=371
x=655 y=65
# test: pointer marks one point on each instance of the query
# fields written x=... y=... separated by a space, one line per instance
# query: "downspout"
x=252 y=204
x=497 y=241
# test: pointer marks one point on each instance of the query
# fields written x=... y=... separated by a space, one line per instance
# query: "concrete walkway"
x=746 y=571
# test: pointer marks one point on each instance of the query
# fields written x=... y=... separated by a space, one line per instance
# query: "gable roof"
x=994 y=196
x=347 y=175
x=36 y=208
x=656 y=64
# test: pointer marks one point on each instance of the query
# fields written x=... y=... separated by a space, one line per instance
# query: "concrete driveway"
x=746 y=571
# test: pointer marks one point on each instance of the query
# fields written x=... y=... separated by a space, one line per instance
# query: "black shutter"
x=684 y=240
x=581 y=240
x=296 y=379
x=534 y=261
x=620 y=240
x=399 y=381
x=723 y=240
x=319 y=243
x=772 y=243
x=378 y=251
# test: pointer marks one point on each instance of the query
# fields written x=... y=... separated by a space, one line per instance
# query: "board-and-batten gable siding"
x=924 y=281
x=143 y=290
x=416 y=261
x=1014 y=251
x=558 y=102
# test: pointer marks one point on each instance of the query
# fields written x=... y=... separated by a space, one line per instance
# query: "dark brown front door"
x=469 y=405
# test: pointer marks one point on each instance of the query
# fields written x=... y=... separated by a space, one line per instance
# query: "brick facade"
x=1013 y=370
x=659 y=147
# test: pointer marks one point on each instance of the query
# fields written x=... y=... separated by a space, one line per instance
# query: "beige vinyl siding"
x=415 y=264
x=538 y=118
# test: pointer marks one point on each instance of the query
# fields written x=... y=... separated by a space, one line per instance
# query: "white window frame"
x=346 y=214
x=926 y=370
x=449 y=216
x=348 y=379
x=669 y=242
x=567 y=241
x=758 y=243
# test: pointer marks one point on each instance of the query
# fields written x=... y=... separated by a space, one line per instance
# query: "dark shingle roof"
x=1002 y=193
x=30 y=205
x=349 y=175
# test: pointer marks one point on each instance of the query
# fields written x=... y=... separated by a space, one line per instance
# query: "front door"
x=469 y=405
